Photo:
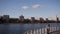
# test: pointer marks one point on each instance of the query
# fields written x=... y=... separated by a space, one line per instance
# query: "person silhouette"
x=48 y=28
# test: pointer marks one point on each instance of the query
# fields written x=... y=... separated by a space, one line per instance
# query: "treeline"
x=26 y=21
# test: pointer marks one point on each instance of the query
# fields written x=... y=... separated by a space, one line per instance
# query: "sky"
x=30 y=8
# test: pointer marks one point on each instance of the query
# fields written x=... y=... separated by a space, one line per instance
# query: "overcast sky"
x=35 y=8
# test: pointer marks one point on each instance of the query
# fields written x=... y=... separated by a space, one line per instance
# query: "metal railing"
x=42 y=30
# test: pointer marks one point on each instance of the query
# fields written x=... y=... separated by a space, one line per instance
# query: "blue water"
x=21 y=28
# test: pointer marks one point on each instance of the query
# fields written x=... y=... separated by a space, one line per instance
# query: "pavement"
x=55 y=32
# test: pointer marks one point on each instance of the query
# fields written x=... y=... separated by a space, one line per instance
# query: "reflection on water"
x=20 y=28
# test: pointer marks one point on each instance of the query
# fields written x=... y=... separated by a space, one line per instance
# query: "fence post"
x=27 y=32
x=40 y=31
x=37 y=31
x=34 y=31
x=31 y=32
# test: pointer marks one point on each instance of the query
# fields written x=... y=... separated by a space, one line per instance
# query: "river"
x=21 y=28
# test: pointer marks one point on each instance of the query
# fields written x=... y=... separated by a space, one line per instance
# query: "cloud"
x=33 y=6
x=36 y=6
x=25 y=7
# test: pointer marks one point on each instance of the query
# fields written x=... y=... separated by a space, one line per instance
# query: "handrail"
x=42 y=30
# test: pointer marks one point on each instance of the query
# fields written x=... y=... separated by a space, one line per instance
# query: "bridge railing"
x=42 y=30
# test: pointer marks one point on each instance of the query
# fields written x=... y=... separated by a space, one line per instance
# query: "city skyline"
x=21 y=19
x=37 y=18
x=30 y=8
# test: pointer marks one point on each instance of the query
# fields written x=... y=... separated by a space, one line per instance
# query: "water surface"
x=21 y=28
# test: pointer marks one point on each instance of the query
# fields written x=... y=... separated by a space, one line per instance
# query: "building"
x=32 y=19
x=41 y=19
x=55 y=18
x=47 y=19
x=5 y=16
x=0 y=17
x=21 y=18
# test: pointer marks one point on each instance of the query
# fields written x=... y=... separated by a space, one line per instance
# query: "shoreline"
x=25 y=23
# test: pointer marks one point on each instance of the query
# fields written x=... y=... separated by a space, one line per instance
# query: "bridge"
x=53 y=30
